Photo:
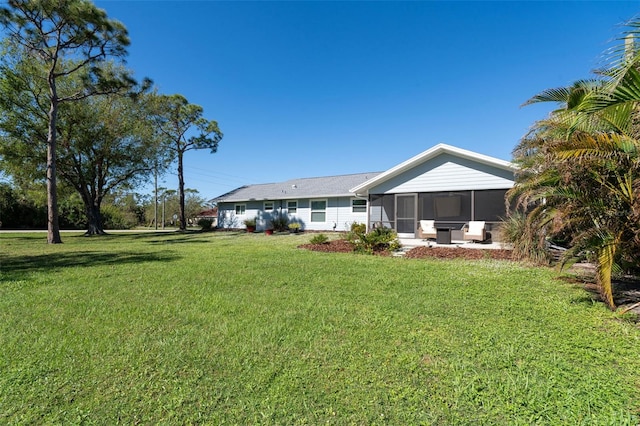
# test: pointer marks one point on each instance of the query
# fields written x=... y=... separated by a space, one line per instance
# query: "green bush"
x=319 y=239
x=279 y=222
x=379 y=239
x=205 y=224
x=115 y=218
x=359 y=228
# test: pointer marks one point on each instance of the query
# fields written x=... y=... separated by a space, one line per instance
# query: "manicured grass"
x=246 y=329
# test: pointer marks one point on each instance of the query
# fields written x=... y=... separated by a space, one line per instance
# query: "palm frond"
x=625 y=89
x=604 y=271
x=567 y=97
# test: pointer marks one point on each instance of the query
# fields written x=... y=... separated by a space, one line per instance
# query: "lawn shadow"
x=175 y=237
x=20 y=267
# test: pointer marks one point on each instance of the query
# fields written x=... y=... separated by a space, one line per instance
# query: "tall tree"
x=107 y=144
x=67 y=37
x=183 y=129
x=104 y=142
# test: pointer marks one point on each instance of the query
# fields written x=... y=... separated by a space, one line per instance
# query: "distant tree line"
x=123 y=210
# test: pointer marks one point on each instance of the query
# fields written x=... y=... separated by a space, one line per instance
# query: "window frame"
x=312 y=211
x=273 y=206
x=240 y=209
x=289 y=207
x=354 y=207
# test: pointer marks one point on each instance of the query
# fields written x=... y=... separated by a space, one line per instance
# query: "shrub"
x=319 y=239
x=294 y=226
x=279 y=222
x=359 y=228
x=205 y=224
x=250 y=222
x=379 y=239
x=115 y=218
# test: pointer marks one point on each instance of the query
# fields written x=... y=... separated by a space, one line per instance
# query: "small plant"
x=205 y=224
x=358 y=228
x=294 y=227
x=319 y=239
x=250 y=222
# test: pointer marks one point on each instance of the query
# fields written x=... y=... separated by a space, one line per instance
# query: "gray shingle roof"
x=330 y=186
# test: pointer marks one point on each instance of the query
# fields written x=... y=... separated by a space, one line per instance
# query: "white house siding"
x=447 y=173
x=338 y=213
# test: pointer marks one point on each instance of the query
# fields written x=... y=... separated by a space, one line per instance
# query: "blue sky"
x=305 y=89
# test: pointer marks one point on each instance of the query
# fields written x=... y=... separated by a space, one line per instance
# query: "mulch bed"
x=343 y=246
x=335 y=246
x=458 y=253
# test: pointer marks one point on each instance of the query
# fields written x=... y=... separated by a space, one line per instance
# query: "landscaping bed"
x=335 y=246
x=338 y=246
x=343 y=246
x=458 y=252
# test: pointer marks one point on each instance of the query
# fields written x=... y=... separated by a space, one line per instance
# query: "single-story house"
x=447 y=184
x=320 y=204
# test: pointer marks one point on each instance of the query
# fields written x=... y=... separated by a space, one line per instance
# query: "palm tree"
x=580 y=168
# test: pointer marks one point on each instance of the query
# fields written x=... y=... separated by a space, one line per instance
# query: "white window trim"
x=242 y=207
x=353 y=206
x=292 y=201
x=311 y=211
x=273 y=206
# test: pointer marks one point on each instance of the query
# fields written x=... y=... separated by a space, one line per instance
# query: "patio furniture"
x=427 y=229
x=443 y=235
x=474 y=231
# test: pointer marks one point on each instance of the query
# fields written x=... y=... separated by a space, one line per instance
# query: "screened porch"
x=450 y=209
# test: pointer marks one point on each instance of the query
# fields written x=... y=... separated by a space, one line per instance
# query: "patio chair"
x=474 y=231
x=427 y=229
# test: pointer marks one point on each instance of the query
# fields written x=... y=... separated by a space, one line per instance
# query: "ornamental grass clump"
x=319 y=239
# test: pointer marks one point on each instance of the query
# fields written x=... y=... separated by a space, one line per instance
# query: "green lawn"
x=247 y=329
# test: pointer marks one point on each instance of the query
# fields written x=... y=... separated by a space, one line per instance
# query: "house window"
x=358 y=206
x=268 y=206
x=318 y=210
x=241 y=209
x=292 y=207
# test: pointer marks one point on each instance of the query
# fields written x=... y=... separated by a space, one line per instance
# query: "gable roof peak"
x=430 y=153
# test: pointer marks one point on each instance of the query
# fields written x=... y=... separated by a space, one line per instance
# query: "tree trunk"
x=183 y=221
x=94 y=220
x=53 y=225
